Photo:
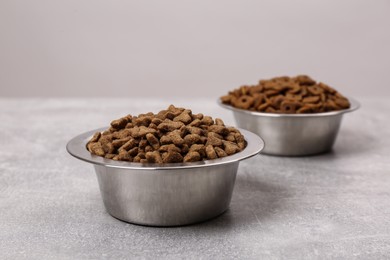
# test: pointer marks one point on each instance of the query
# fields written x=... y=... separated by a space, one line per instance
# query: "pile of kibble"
x=287 y=95
x=171 y=136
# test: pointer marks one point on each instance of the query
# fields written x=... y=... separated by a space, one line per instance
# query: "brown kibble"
x=108 y=148
x=142 y=121
x=203 y=139
x=156 y=121
x=143 y=131
x=315 y=90
x=312 y=99
x=270 y=109
x=273 y=95
x=105 y=139
x=141 y=155
x=294 y=97
x=124 y=156
x=169 y=147
x=148 y=148
x=142 y=144
x=153 y=141
x=184 y=117
x=119 y=142
x=327 y=88
x=230 y=147
x=240 y=140
x=306 y=108
x=294 y=88
x=233 y=130
x=342 y=102
x=196 y=122
x=304 y=91
x=134 y=151
x=153 y=157
x=277 y=100
x=256 y=89
x=175 y=110
x=131 y=143
x=271 y=92
x=263 y=107
x=109 y=156
x=172 y=157
x=200 y=148
x=106 y=132
x=220 y=152
x=170 y=136
x=219 y=121
x=214 y=139
x=119 y=123
x=96 y=148
x=226 y=99
x=289 y=107
x=192 y=157
x=207 y=120
x=210 y=152
x=191 y=139
x=184 y=149
x=197 y=116
x=169 y=126
x=304 y=80
x=222 y=130
x=194 y=130
x=230 y=137
x=153 y=126
x=122 y=133
x=245 y=102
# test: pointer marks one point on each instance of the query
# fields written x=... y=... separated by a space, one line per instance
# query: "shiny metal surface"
x=293 y=134
x=169 y=194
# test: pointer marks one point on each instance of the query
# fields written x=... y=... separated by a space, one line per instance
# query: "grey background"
x=179 y=48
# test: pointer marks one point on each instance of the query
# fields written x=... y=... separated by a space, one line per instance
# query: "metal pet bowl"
x=168 y=194
x=293 y=134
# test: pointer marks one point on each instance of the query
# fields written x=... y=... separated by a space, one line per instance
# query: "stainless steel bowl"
x=165 y=195
x=293 y=134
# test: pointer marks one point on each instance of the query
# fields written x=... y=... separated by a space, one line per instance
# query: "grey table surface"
x=330 y=206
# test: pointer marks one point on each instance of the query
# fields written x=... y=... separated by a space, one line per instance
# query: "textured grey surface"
x=329 y=206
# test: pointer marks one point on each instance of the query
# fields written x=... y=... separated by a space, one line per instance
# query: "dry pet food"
x=173 y=135
x=287 y=95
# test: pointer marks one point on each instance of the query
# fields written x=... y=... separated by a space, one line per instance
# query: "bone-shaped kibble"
x=192 y=157
x=153 y=141
x=172 y=138
x=153 y=157
x=169 y=126
x=184 y=117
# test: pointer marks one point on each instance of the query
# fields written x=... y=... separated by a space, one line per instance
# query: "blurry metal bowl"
x=293 y=134
x=165 y=194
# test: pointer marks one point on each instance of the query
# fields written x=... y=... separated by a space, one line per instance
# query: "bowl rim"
x=77 y=148
x=354 y=106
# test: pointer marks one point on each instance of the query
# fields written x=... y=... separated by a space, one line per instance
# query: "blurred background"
x=172 y=48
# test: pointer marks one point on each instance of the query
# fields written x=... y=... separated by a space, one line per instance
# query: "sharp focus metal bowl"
x=169 y=194
x=293 y=134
